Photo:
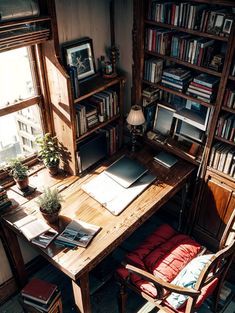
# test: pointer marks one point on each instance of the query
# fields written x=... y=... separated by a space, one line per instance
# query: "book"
x=41 y=306
x=78 y=233
x=45 y=238
x=31 y=226
x=177 y=73
x=206 y=80
x=39 y=290
x=165 y=159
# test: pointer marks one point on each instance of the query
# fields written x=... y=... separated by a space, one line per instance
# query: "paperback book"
x=78 y=233
x=31 y=226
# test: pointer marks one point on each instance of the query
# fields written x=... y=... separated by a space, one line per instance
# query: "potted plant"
x=49 y=152
x=50 y=204
x=19 y=172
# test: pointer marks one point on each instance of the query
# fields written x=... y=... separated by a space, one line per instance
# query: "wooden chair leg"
x=122 y=299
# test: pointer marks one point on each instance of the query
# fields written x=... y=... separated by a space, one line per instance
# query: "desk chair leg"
x=81 y=294
x=122 y=299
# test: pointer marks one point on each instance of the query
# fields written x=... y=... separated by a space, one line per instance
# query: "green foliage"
x=49 y=150
x=50 y=200
x=17 y=169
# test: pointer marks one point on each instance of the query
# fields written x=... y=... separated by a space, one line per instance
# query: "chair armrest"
x=161 y=284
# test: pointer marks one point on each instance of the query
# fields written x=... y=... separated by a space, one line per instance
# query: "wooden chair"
x=176 y=278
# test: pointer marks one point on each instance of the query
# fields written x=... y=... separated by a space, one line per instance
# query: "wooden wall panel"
x=81 y=18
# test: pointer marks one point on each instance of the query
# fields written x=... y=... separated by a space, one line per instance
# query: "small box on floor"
x=41 y=296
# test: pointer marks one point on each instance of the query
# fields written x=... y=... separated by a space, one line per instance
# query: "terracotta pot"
x=53 y=169
x=51 y=218
x=22 y=183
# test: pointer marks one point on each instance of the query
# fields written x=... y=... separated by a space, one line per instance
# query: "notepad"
x=126 y=171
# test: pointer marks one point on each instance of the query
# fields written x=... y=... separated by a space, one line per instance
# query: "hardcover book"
x=39 y=290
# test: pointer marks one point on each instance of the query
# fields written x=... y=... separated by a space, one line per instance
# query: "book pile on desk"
x=4 y=200
x=40 y=296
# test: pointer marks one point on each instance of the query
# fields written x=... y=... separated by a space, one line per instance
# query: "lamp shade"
x=135 y=116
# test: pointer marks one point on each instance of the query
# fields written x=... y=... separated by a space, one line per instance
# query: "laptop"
x=126 y=171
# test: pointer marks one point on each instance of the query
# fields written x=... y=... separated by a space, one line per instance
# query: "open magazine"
x=78 y=233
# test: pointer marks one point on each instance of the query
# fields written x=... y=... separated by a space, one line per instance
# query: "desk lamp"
x=135 y=118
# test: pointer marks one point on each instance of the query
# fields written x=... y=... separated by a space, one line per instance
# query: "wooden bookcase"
x=63 y=104
x=212 y=184
x=141 y=53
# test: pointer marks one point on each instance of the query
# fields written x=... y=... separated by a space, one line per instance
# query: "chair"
x=174 y=272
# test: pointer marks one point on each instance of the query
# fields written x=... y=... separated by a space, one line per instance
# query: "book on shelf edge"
x=78 y=233
x=39 y=290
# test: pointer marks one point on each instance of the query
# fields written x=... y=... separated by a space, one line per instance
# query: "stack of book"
x=176 y=78
x=204 y=87
x=91 y=114
x=4 y=200
x=150 y=95
x=40 y=295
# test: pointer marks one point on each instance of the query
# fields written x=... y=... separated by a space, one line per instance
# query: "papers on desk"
x=112 y=195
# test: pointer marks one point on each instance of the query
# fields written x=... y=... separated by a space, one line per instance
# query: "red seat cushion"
x=164 y=253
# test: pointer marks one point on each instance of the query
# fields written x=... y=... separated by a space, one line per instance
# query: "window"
x=20 y=103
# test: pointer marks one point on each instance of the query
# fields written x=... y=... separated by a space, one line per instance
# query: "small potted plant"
x=50 y=204
x=49 y=152
x=19 y=172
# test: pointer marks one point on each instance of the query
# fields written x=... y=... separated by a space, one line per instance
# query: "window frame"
x=41 y=99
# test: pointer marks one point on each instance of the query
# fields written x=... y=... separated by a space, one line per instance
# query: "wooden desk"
x=77 y=263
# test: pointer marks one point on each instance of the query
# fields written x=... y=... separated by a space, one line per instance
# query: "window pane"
x=17 y=133
x=15 y=76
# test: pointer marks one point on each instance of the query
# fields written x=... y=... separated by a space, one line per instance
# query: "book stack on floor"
x=4 y=200
x=204 y=87
x=41 y=296
x=176 y=78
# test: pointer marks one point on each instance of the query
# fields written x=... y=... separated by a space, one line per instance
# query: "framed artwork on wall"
x=80 y=54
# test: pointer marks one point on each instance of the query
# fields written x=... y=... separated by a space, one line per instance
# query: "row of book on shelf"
x=229 y=98
x=76 y=233
x=194 y=16
x=226 y=127
x=4 y=200
x=195 y=50
x=222 y=158
x=202 y=86
x=98 y=108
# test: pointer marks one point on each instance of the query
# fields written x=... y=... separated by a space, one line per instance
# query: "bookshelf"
x=72 y=122
x=179 y=43
x=156 y=37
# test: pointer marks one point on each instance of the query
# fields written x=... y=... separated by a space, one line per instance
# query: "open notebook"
x=112 y=195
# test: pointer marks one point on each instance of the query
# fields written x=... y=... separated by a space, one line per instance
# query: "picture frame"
x=80 y=55
x=228 y=22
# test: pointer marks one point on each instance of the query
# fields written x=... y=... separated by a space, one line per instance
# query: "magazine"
x=45 y=238
x=78 y=233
